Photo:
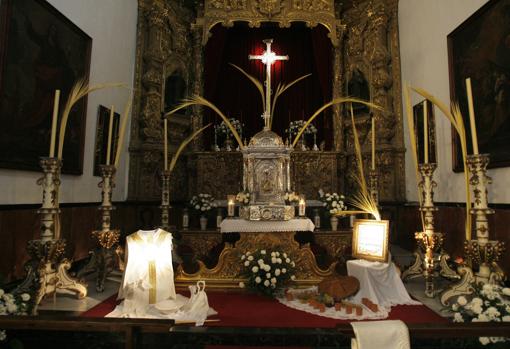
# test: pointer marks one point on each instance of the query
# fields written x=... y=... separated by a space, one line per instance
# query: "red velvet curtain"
x=309 y=51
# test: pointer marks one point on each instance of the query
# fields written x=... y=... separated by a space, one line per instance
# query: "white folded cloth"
x=388 y=334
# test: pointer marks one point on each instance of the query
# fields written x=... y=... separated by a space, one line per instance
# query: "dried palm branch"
x=122 y=130
x=457 y=121
x=280 y=90
x=198 y=100
x=362 y=199
x=79 y=90
x=412 y=137
x=256 y=82
x=327 y=105
x=183 y=145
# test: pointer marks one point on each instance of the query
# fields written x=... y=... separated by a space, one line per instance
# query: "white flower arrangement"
x=267 y=271
x=332 y=202
x=292 y=197
x=13 y=305
x=297 y=125
x=223 y=129
x=202 y=203
x=243 y=198
x=487 y=303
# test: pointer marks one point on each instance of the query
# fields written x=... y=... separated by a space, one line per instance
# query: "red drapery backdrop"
x=309 y=51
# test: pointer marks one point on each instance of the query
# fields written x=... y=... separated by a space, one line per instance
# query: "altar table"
x=239 y=225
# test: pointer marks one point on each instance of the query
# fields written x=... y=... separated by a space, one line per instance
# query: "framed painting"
x=480 y=49
x=101 y=143
x=420 y=134
x=40 y=51
x=370 y=240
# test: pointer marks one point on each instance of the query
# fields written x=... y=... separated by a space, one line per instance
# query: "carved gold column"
x=198 y=83
x=338 y=77
x=165 y=200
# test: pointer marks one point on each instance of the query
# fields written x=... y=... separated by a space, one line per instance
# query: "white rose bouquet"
x=202 y=203
x=267 y=271
x=243 y=198
x=13 y=305
x=332 y=202
x=297 y=125
x=487 y=303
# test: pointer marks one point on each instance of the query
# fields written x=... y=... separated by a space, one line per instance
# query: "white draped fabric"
x=379 y=282
x=388 y=334
x=238 y=225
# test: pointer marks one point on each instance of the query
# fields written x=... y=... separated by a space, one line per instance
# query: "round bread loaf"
x=339 y=287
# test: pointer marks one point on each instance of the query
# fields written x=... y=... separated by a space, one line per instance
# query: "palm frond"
x=198 y=100
x=362 y=200
x=122 y=130
x=256 y=82
x=457 y=121
x=183 y=145
x=280 y=90
x=335 y=101
x=79 y=90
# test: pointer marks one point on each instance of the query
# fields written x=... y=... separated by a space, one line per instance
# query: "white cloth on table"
x=388 y=334
x=379 y=282
x=238 y=225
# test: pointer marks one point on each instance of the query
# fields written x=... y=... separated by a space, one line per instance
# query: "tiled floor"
x=68 y=304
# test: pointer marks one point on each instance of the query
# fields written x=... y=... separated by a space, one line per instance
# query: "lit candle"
x=472 y=116
x=231 y=205
x=425 y=132
x=165 y=142
x=54 y=123
x=110 y=131
x=373 y=143
x=302 y=207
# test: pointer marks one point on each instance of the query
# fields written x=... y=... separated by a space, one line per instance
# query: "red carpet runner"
x=248 y=310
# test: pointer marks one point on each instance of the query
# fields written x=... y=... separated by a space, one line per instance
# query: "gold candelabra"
x=165 y=199
x=430 y=258
x=482 y=254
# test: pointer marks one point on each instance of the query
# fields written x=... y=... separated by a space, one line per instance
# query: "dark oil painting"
x=101 y=144
x=480 y=49
x=40 y=51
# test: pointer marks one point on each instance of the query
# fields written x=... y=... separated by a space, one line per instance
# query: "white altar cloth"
x=238 y=225
x=379 y=282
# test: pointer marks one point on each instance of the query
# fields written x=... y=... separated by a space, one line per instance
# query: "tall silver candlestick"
x=482 y=253
x=165 y=199
x=47 y=268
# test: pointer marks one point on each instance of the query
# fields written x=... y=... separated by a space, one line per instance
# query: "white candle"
x=425 y=132
x=230 y=207
x=165 y=142
x=302 y=207
x=472 y=116
x=54 y=123
x=110 y=131
x=373 y=143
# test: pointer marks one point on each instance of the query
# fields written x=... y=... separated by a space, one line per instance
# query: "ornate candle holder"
x=47 y=269
x=373 y=184
x=482 y=254
x=430 y=258
x=103 y=256
x=165 y=200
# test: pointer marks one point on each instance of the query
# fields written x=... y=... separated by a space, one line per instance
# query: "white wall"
x=112 y=26
x=424 y=26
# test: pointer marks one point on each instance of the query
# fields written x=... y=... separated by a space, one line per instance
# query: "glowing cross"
x=268 y=58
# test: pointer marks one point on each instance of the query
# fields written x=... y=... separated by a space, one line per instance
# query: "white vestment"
x=149 y=276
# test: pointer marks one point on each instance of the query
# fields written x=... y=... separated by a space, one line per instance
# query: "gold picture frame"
x=370 y=239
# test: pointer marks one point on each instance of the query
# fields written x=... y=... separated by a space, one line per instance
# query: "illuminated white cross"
x=268 y=58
